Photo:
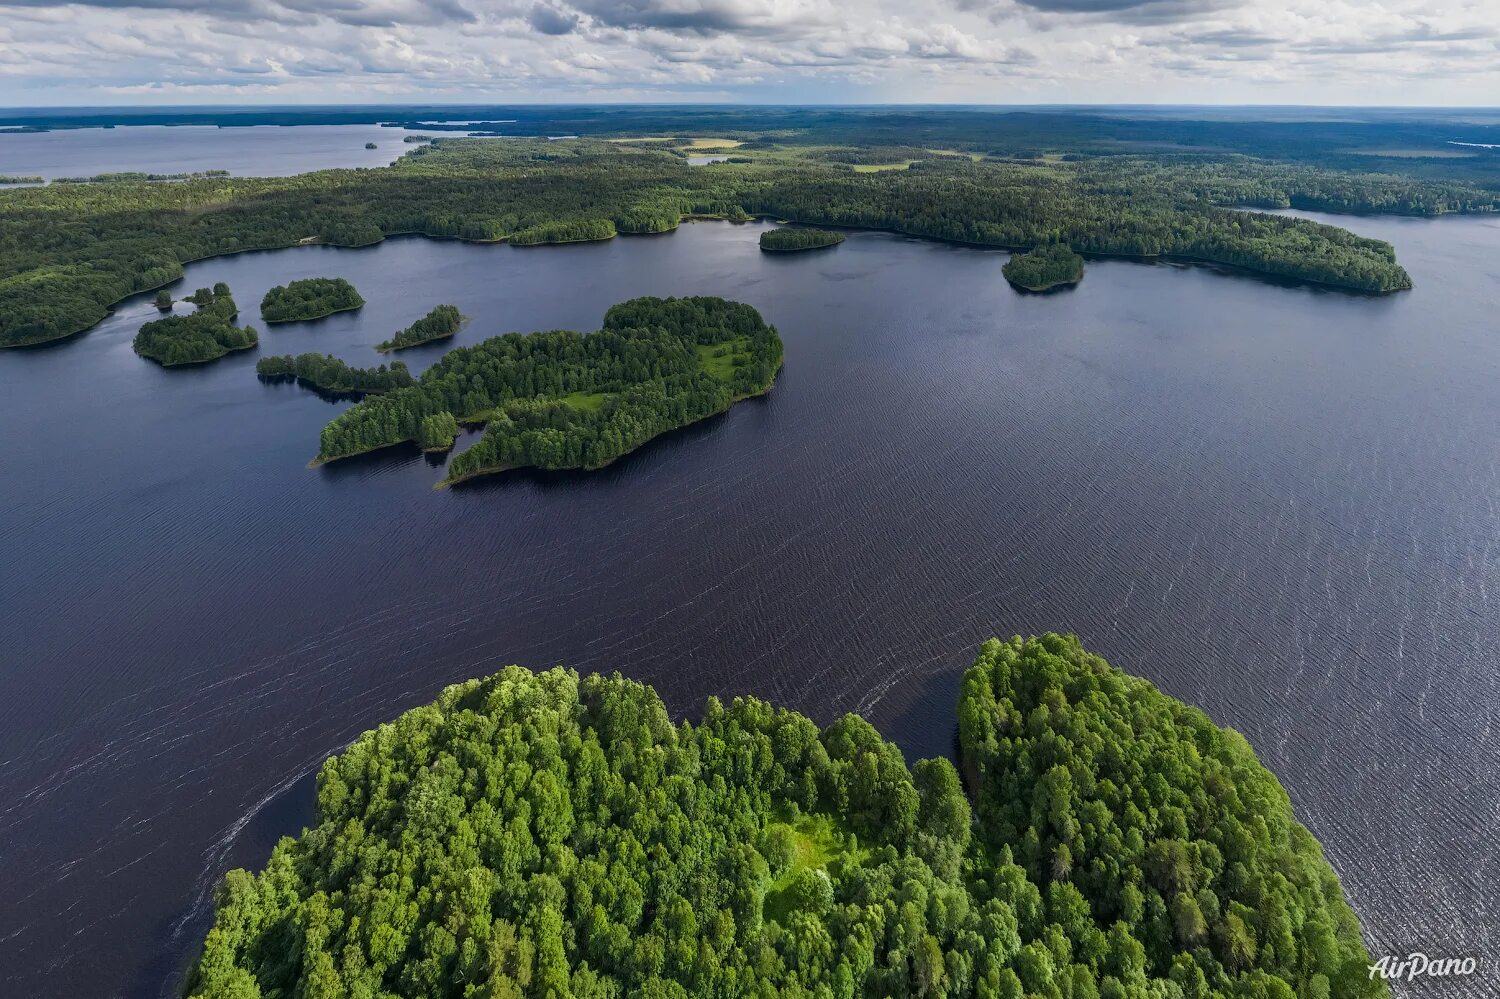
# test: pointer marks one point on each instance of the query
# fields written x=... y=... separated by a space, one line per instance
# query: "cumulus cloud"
x=981 y=51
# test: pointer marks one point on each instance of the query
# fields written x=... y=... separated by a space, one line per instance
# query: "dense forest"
x=552 y=835
x=561 y=399
x=786 y=240
x=439 y=324
x=1050 y=265
x=206 y=334
x=329 y=374
x=578 y=231
x=69 y=251
x=309 y=298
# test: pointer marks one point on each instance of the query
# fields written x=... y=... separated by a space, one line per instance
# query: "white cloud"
x=1007 y=51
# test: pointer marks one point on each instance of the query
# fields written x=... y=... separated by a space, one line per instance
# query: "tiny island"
x=792 y=240
x=439 y=324
x=371 y=145
x=1049 y=266
x=204 y=335
x=566 y=400
x=309 y=298
x=331 y=376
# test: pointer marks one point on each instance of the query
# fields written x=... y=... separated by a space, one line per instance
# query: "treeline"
x=205 y=335
x=327 y=373
x=309 y=298
x=870 y=155
x=1051 y=265
x=1093 y=209
x=580 y=231
x=781 y=240
x=134 y=176
x=69 y=251
x=551 y=835
x=439 y=324
x=651 y=359
x=22 y=180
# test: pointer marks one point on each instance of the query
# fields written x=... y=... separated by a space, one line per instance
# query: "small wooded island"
x=789 y=240
x=561 y=399
x=204 y=335
x=330 y=375
x=309 y=298
x=1051 y=265
x=556 y=835
x=439 y=324
x=580 y=231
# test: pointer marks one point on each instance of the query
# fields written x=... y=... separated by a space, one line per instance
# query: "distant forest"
x=1131 y=187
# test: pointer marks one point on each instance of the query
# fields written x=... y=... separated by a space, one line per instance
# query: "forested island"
x=22 y=180
x=329 y=374
x=1051 y=265
x=556 y=835
x=581 y=231
x=309 y=298
x=788 y=240
x=561 y=399
x=206 y=334
x=439 y=324
x=69 y=252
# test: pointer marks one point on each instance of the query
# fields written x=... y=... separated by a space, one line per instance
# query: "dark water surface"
x=260 y=151
x=1279 y=503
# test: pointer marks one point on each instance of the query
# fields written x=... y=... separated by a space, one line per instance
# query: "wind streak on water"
x=1276 y=503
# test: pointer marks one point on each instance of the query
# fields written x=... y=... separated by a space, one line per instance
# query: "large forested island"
x=309 y=298
x=561 y=399
x=69 y=252
x=206 y=334
x=548 y=835
x=1051 y=265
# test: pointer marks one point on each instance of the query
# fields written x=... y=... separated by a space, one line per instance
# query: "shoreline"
x=692 y=217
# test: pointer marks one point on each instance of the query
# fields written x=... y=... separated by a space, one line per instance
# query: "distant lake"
x=260 y=151
x=1276 y=502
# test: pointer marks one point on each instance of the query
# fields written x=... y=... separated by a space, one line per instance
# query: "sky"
x=1331 y=52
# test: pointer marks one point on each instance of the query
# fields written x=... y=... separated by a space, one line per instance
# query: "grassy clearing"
x=878 y=167
x=819 y=843
x=587 y=401
x=693 y=144
x=721 y=366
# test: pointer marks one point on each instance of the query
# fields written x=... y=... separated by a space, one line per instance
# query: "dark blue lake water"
x=1276 y=502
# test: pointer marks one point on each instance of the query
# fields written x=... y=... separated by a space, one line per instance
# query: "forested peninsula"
x=439 y=324
x=330 y=375
x=561 y=399
x=201 y=336
x=1052 y=265
x=790 y=240
x=70 y=251
x=551 y=835
x=309 y=298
